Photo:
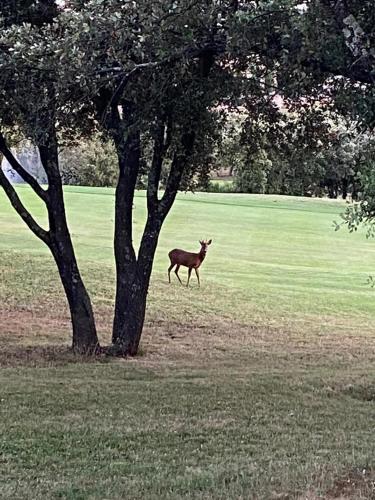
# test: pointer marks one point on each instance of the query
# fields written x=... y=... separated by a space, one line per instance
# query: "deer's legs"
x=189 y=274
x=169 y=272
x=176 y=272
x=197 y=273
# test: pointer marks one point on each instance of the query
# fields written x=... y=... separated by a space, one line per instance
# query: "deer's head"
x=204 y=244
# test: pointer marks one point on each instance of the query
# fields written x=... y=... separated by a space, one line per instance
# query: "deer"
x=190 y=260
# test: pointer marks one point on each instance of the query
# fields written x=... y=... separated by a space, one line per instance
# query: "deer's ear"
x=209 y=242
x=200 y=242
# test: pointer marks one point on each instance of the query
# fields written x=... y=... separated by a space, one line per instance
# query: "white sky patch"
x=302 y=7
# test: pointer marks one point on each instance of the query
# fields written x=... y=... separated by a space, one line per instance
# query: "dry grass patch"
x=45 y=325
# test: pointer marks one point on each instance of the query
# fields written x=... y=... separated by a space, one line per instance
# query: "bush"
x=90 y=163
x=252 y=177
x=220 y=186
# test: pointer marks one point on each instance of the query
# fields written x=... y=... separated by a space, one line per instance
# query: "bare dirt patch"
x=30 y=325
x=218 y=338
x=39 y=334
x=46 y=328
x=354 y=485
x=360 y=392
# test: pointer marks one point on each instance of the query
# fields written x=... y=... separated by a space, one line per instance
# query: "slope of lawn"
x=260 y=384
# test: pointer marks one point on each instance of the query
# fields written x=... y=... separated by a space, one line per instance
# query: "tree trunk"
x=133 y=273
x=127 y=286
x=131 y=294
x=85 y=339
x=354 y=189
x=130 y=312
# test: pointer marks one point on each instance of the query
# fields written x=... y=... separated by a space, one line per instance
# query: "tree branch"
x=357 y=42
x=175 y=15
x=190 y=53
x=41 y=233
x=353 y=73
x=33 y=183
x=163 y=138
x=155 y=171
x=177 y=170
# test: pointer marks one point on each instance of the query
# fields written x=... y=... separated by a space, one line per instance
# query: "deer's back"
x=183 y=258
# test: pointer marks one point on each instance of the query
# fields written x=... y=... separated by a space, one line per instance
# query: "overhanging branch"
x=216 y=47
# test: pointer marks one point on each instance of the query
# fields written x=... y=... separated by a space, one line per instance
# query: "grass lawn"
x=260 y=384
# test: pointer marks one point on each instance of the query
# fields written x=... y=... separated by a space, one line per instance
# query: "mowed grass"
x=260 y=384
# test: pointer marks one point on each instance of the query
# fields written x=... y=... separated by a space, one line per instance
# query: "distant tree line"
x=329 y=161
x=333 y=164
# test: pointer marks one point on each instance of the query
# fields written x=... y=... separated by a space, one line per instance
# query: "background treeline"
x=333 y=165
x=332 y=160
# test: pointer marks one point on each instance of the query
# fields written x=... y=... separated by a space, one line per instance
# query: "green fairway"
x=274 y=254
x=260 y=384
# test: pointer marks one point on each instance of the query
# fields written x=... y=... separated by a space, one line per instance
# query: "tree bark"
x=128 y=152
x=85 y=340
x=133 y=274
x=131 y=297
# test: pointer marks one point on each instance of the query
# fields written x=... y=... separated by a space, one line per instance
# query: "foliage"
x=363 y=212
x=322 y=155
x=218 y=186
x=253 y=178
x=89 y=163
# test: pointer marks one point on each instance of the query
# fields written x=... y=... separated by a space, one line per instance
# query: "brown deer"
x=188 y=259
